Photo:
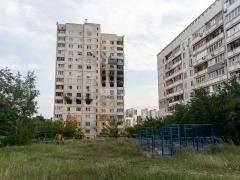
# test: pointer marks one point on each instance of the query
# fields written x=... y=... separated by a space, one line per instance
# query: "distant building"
x=146 y=113
x=130 y=117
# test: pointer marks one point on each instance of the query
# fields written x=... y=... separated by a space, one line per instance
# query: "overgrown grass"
x=114 y=159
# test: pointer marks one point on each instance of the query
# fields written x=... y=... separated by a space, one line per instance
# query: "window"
x=89 y=40
x=59 y=72
x=70 y=59
x=112 y=42
x=216 y=73
x=88 y=109
x=61 y=45
x=233 y=14
x=79 y=66
x=89 y=33
x=87 y=123
x=216 y=60
x=233 y=45
x=70 y=45
x=78 y=109
x=200 y=79
x=60 y=51
x=59 y=80
x=79 y=53
x=60 y=58
x=214 y=20
x=89 y=47
x=61 y=38
x=88 y=67
x=233 y=30
x=68 y=108
x=87 y=131
x=69 y=66
x=234 y=60
x=199 y=33
x=59 y=86
x=229 y=3
x=111 y=92
x=215 y=46
x=59 y=93
x=79 y=46
x=60 y=65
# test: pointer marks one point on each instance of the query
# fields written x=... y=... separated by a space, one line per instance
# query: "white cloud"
x=148 y=26
x=16 y=63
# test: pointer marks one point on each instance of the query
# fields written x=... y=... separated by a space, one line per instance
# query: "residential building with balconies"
x=89 y=83
x=203 y=55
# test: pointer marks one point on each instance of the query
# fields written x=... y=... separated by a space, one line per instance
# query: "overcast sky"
x=28 y=38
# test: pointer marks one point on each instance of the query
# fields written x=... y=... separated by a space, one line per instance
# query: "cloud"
x=16 y=63
x=28 y=35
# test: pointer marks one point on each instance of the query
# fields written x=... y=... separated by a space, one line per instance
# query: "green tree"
x=70 y=126
x=17 y=104
x=111 y=128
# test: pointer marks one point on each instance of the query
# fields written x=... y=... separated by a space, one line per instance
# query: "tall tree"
x=17 y=100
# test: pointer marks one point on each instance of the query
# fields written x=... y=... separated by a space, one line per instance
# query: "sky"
x=28 y=38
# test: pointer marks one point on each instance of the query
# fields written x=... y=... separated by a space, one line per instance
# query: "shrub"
x=79 y=134
x=22 y=135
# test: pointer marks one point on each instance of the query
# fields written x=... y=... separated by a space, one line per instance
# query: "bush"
x=79 y=134
x=23 y=135
x=70 y=126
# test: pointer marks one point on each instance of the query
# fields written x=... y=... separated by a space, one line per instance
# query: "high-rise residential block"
x=203 y=55
x=89 y=83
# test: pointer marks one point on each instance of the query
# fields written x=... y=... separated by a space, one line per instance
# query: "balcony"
x=215 y=26
x=233 y=37
x=234 y=67
x=214 y=40
x=233 y=52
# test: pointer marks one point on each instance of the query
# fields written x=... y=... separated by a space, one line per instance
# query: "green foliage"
x=79 y=134
x=222 y=109
x=17 y=105
x=47 y=129
x=111 y=128
x=70 y=127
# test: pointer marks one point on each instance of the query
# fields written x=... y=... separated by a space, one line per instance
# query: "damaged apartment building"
x=89 y=78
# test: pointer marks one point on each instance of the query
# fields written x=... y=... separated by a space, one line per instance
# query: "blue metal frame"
x=175 y=134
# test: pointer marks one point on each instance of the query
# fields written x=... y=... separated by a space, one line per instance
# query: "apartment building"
x=89 y=83
x=131 y=118
x=152 y=113
x=203 y=55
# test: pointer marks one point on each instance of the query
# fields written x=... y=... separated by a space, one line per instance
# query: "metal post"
x=212 y=135
x=162 y=141
x=201 y=136
x=153 y=139
x=171 y=141
x=179 y=136
x=193 y=139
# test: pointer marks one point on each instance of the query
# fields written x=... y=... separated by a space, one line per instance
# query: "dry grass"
x=114 y=159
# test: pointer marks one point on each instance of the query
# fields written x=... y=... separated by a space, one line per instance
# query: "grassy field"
x=114 y=159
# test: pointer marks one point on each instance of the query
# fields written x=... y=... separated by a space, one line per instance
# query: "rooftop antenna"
x=85 y=20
